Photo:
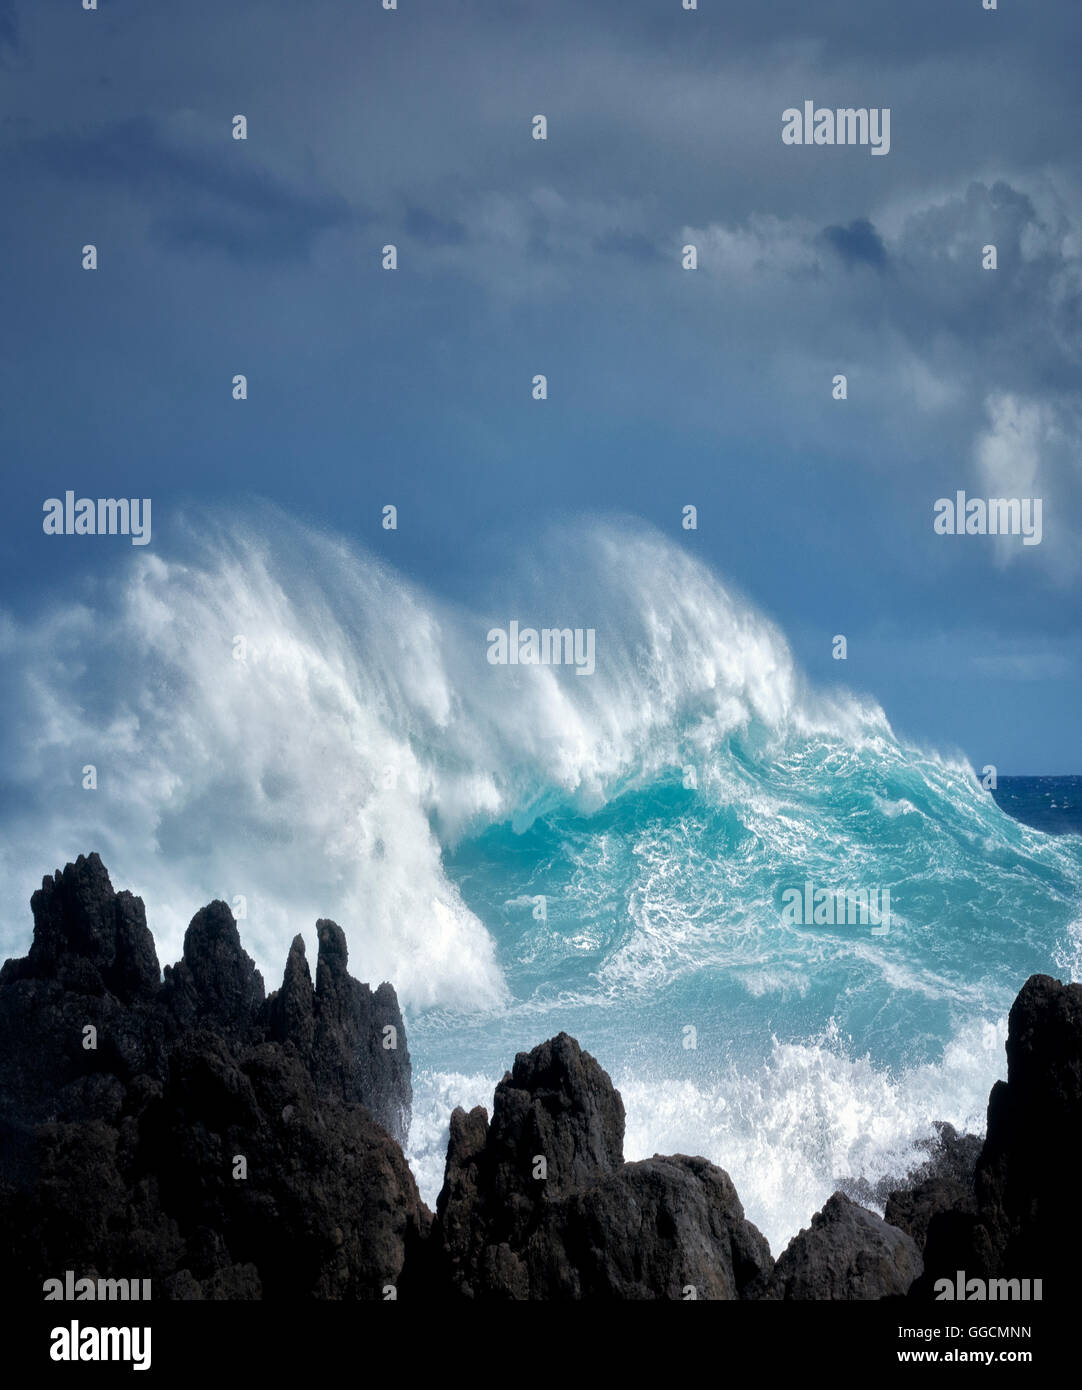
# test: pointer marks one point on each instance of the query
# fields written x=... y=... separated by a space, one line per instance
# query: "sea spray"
x=355 y=756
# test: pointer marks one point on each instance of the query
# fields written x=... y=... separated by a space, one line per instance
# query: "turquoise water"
x=524 y=849
x=820 y=1051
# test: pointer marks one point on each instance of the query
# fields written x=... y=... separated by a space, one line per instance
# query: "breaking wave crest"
x=283 y=722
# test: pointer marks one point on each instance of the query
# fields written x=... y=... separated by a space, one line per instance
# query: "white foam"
x=322 y=775
x=365 y=731
x=785 y=1131
x=812 y=1113
x=1068 y=953
x=287 y=779
x=435 y=1095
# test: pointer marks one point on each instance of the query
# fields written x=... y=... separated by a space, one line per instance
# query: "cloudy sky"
x=667 y=387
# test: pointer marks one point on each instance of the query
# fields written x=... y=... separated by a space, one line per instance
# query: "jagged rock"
x=227 y=1145
x=121 y=1159
x=592 y=1226
x=914 y=1208
x=91 y=976
x=951 y=1156
x=351 y=1039
x=846 y=1253
x=291 y=1011
x=327 y=1206
x=1028 y=1221
x=81 y=925
x=947 y=1154
x=1028 y=1171
x=661 y=1228
x=349 y=1051
x=557 y=1104
x=943 y=1182
x=458 y=1206
x=215 y=984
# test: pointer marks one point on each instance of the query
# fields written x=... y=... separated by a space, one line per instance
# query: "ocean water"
x=1051 y=804
x=288 y=724
x=819 y=1052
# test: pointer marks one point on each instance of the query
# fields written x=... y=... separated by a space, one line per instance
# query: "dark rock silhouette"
x=846 y=1253
x=951 y=1157
x=1024 y=1220
x=221 y=1144
x=914 y=1208
x=944 y=1182
x=230 y=1145
x=585 y=1224
x=949 y=1162
x=215 y=985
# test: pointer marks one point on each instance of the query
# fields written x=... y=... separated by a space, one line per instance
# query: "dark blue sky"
x=666 y=387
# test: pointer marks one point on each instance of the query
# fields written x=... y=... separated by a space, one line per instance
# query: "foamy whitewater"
x=289 y=725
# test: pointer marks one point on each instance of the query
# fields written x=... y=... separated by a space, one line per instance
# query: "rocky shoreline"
x=224 y=1143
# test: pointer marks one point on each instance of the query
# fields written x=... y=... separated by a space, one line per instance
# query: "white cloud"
x=1032 y=449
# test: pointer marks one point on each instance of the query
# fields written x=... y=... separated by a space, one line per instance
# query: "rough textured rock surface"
x=846 y=1253
x=659 y=1228
x=951 y=1156
x=946 y=1155
x=122 y=1159
x=1027 y=1221
x=914 y=1208
x=943 y=1182
x=128 y=1101
x=585 y=1224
